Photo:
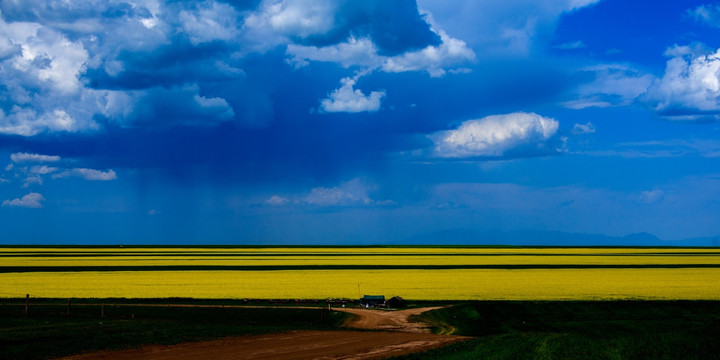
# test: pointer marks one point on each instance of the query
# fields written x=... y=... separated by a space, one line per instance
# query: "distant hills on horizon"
x=547 y=238
x=445 y=237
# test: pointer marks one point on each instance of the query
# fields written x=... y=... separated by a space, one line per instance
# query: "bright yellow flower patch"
x=446 y=284
x=535 y=284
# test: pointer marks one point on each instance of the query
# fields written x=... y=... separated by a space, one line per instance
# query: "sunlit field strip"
x=356 y=250
x=359 y=260
x=536 y=284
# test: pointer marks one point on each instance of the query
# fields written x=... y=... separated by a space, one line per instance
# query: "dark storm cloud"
x=394 y=26
x=54 y=10
x=64 y=11
x=170 y=65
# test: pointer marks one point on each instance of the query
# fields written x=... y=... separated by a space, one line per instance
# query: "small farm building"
x=372 y=300
x=396 y=302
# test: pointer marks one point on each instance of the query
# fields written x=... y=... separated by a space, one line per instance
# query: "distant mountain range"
x=548 y=238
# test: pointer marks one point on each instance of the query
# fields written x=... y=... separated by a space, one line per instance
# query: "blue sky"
x=356 y=122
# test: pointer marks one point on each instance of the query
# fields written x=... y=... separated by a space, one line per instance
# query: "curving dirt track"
x=404 y=337
x=398 y=320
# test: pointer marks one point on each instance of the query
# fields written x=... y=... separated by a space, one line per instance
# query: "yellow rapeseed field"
x=697 y=281
x=534 y=284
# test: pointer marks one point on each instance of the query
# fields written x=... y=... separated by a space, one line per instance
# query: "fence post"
x=27 y=303
x=68 y=308
x=102 y=311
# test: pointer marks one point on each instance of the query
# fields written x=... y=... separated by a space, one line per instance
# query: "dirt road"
x=296 y=345
x=399 y=336
x=397 y=320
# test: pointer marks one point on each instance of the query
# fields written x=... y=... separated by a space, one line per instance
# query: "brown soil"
x=398 y=320
x=400 y=336
x=296 y=345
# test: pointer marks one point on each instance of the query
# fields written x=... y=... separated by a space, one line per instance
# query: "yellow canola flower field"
x=696 y=281
x=532 y=284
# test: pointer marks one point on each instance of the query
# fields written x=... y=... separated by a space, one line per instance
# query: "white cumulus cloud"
x=28 y=157
x=277 y=200
x=217 y=104
x=211 y=21
x=42 y=170
x=32 y=180
x=351 y=100
x=588 y=128
x=36 y=170
x=47 y=57
x=88 y=174
x=495 y=135
x=433 y=59
x=31 y=200
x=690 y=87
x=361 y=52
x=353 y=192
x=295 y=17
x=43 y=81
x=276 y=21
x=613 y=85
